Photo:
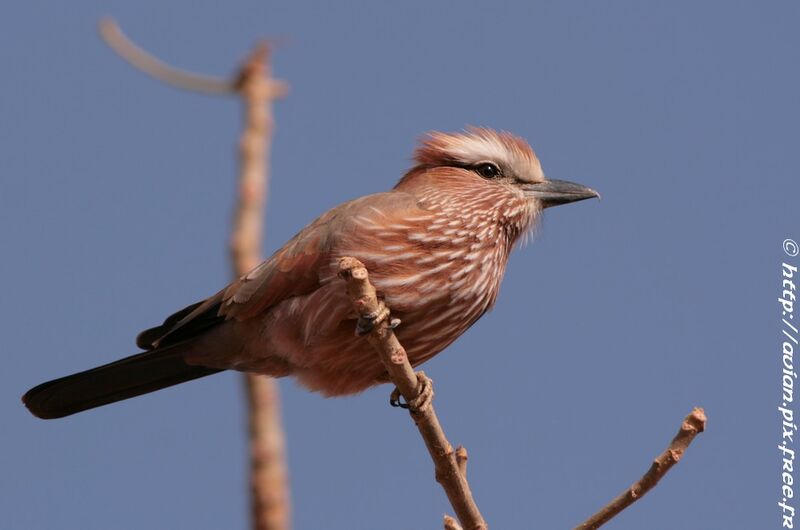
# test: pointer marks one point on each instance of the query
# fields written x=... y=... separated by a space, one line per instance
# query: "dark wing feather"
x=156 y=336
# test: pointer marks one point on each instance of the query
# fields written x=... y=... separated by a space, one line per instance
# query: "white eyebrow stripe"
x=472 y=149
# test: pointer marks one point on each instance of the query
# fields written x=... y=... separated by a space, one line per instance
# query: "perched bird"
x=436 y=247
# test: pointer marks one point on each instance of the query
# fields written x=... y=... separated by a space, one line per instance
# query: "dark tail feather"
x=123 y=379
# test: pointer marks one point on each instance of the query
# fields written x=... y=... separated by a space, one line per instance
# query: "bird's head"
x=485 y=158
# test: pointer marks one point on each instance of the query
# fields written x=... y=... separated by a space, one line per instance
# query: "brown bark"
x=158 y=69
x=694 y=424
x=411 y=385
x=254 y=84
x=269 y=492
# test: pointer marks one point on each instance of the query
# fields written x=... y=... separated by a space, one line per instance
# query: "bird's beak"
x=556 y=192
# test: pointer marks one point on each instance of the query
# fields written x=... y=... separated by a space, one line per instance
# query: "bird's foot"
x=366 y=323
x=424 y=398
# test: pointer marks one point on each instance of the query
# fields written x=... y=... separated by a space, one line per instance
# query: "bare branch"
x=411 y=386
x=268 y=475
x=461 y=460
x=154 y=67
x=269 y=495
x=254 y=83
x=692 y=425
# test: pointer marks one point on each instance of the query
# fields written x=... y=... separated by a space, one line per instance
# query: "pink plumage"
x=436 y=246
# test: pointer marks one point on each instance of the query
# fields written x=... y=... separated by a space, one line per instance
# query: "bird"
x=436 y=246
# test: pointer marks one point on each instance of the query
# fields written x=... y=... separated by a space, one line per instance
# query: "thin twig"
x=268 y=475
x=692 y=425
x=154 y=67
x=394 y=358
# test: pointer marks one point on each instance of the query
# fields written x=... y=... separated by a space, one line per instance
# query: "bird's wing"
x=293 y=270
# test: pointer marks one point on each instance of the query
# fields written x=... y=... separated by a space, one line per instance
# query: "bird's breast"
x=439 y=276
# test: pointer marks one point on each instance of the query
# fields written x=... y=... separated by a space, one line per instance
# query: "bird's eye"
x=487 y=170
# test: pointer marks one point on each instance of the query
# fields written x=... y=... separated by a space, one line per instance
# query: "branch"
x=269 y=492
x=154 y=67
x=268 y=476
x=412 y=387
x=257 y=88
x=461 y=460
x=692 y=425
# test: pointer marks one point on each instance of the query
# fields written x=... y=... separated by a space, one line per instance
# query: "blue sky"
x=623 y=314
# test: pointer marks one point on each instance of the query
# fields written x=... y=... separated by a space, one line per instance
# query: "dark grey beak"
x=556 y=192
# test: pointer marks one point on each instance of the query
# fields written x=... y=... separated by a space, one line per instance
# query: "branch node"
x=450 y=523
x=461 y=459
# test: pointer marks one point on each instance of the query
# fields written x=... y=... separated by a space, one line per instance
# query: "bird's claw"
x=366 y=323
x=395 y=399
x=423 y=399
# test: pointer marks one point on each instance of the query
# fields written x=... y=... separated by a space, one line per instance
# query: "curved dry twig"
x=692 y=425
x=446 y=462
x=154 y=67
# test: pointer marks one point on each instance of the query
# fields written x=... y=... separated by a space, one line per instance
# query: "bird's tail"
x=123 y=379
